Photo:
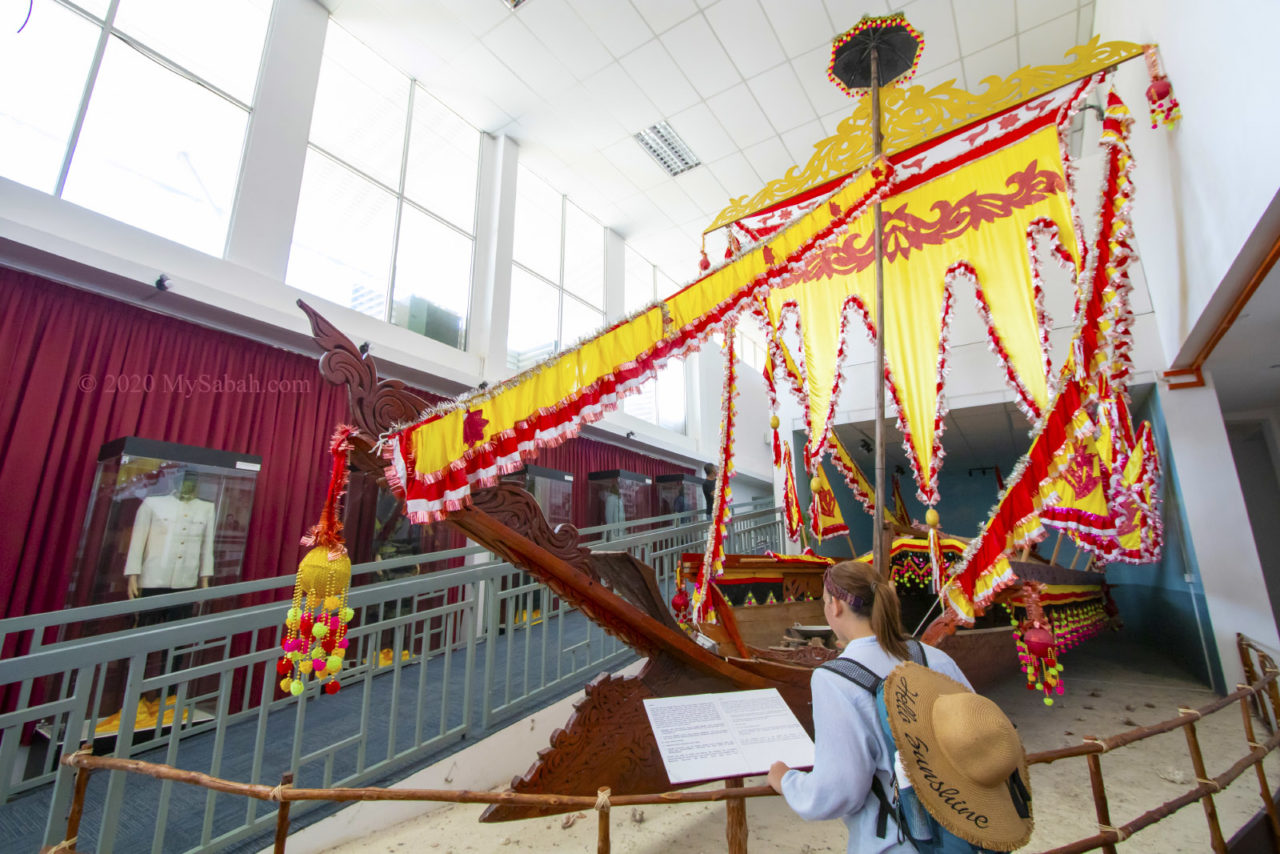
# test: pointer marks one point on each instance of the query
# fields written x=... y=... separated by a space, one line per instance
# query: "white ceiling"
x=742 y=81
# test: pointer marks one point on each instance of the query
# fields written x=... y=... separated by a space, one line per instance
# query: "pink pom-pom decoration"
x=342 y=644
x=318 y=663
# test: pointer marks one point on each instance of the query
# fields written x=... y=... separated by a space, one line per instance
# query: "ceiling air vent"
x=666 y=147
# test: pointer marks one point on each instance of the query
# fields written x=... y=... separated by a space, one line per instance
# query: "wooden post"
x=1268 y=802
x=282 y=815
x=1053 y=559
x=735 y=810
x=879 y=558
x=1100 y=805
x=77 y=803
x=602 y=827
x=1197 y=762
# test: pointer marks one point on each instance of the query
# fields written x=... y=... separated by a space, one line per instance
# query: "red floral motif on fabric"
x=1082 y=474
x=1127 y=515
x=905 y=231
x=473 y=426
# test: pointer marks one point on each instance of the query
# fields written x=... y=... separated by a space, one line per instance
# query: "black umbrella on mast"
x=876 y=52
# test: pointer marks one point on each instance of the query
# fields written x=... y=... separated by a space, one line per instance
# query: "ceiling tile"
x=701 y=186
x=1048 y=43
x=478 y=17
x=1084 y=26
x=1033 y=13
x=616 y=92
x=746 y=34
x=556 y=25
x=480 y=70
x=736 y=175
x=695 y=49
x=999 y=60
x=845 y=14
x=703 y=132
x=947 y=73
x=662 y=15
x=811 y=71
x=634 y=162
x=741 y=116
x=783 y=99
x=512 y=42
x=800 y=141
x=934 y=20
x=800 y=25
x=769 y=158
x=638 y=212
x=618 y=25
x=982 y=23
x=655 y=72
x=831 y=121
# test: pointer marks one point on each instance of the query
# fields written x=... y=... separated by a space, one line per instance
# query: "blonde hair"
x=879 y=602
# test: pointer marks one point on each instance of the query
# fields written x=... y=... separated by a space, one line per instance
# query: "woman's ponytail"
x=879 y=603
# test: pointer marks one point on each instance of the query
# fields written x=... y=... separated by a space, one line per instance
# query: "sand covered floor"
x=1111 y=686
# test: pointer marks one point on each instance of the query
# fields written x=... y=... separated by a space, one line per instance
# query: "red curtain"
x=58 y=407
x=581 y=456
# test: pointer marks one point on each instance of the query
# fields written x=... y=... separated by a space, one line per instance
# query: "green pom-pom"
x=296 y=688
x=347 y=615
x=319 y=630
x=1048 y=701
x=1039 y=686
x=333 y=664
x=294 y=615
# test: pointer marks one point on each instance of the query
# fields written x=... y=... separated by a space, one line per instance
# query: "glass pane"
x=666 y=286
x=342 y=238
x=671 y=399
x=580 y=321
x=53 y=50
x=158 y=151
x=637 y=281
x=361 y=107
x=218 y=42
x=644 y=403
x=583 y=256
x=531 y=332
x=444 y=156
x=537 y=226
x=433 y=279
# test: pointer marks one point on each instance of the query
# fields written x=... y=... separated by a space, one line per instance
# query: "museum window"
x=557 y=273
x=662 y=401
x=386 y=214
x=135 y=109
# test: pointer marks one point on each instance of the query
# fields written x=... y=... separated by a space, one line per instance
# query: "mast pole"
x=878 y=526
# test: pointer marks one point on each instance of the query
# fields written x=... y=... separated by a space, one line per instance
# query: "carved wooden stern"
x=607 y=740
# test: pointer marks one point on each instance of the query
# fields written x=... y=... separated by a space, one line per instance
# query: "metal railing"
x=433 y=658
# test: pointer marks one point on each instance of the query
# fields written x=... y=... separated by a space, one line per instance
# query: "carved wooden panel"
x=803 y=656
x=512 y=506
x=634 y=581
x=376 y=405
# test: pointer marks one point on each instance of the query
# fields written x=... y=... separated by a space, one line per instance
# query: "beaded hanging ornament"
x=1038 y=646
x=315 y=642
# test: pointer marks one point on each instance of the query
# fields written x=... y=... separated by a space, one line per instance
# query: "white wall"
x=1203 y=186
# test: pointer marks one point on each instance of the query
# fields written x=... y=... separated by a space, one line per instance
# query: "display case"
x=616 y=496
x=679 y=493
x=162 y=518
x=551 y=488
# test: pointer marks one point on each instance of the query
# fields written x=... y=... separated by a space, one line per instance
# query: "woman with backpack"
x=853 y=775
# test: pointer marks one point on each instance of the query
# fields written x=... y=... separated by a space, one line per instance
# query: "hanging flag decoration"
x=790 y=499
x=1160 y=99
x=315 y=641
x=824 y=512
x=853 y=476
x=713 y=558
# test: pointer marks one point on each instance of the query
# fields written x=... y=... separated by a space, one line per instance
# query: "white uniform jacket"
x=172 y=544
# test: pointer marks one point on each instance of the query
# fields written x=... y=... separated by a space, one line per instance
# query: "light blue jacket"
x=850 y=747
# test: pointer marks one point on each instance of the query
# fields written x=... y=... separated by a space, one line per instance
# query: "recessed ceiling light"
x=666 y=147
x=515 y=4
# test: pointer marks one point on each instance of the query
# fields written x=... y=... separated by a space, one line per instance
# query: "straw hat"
x=962 y=755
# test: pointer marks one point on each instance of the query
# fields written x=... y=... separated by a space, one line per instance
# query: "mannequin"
x=171 y=547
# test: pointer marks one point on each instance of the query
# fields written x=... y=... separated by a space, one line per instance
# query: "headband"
x=838 y=592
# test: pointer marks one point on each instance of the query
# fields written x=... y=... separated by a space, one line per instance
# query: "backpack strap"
x=882 y=814
x=854 y=671
x=915 y=650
